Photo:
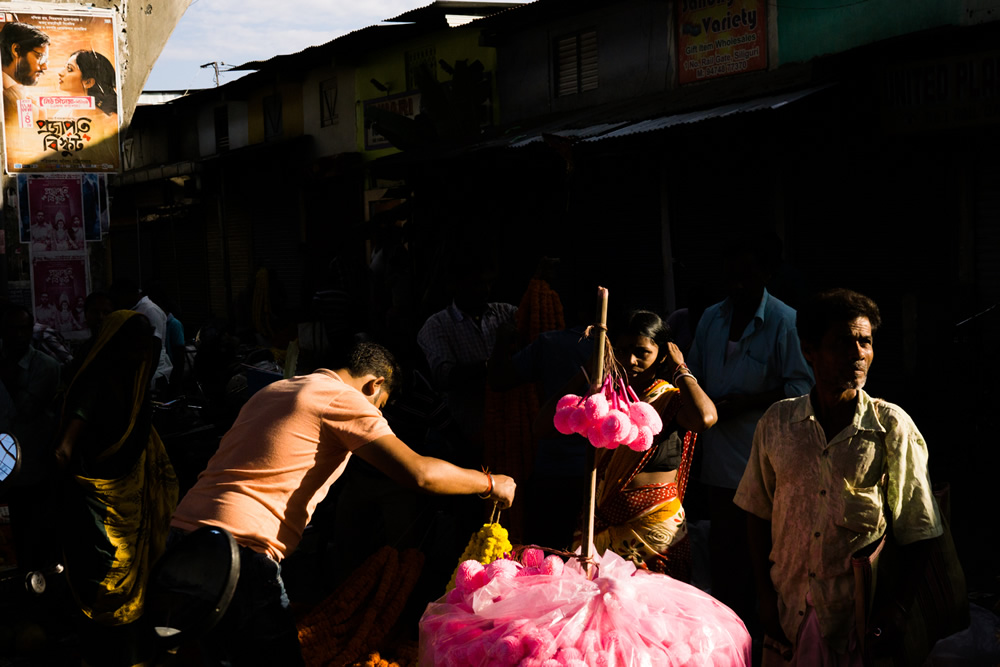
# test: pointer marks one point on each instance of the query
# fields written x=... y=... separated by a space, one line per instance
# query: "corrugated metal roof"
x=664 y=122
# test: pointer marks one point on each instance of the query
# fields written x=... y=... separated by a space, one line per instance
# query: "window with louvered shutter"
x=576 y=63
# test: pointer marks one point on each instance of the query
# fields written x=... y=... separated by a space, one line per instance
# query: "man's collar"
x=865 y=414
x=9 y=81
x=728 y=305
x=455 y=312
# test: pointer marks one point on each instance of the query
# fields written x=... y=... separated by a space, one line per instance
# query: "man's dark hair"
x=368 y=357
x=25 y=36
x=821 y=311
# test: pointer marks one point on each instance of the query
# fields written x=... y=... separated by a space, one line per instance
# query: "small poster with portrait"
x=60 y=89
x=59 y=289
x=56 y=214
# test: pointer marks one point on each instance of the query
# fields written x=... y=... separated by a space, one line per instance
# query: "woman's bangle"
x=489 y=491
x=684 y=375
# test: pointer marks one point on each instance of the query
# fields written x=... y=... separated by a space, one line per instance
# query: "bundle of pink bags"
x=611 y=417
x=542 y=612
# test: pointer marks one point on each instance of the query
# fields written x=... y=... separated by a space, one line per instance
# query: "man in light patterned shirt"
x=812 y=488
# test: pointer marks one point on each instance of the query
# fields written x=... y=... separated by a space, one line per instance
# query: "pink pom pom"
x=644 y=414
x=643 y=441
x=471 y=576
x=633 y=433
x=552 y=662
x=532 y=557
x=568 y=401
x=563 y=421
x=574 y=663
x=596 y=406
x=579 y=421
x=596 y=436
x=503 y=568
x=539 y=643
x=507 y=651
x=531 y=662
x=553 y=565
x=615 y=426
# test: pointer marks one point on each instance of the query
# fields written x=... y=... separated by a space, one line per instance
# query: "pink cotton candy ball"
x=569 y=653
x=507 y=651
x=476 y=653
x=532 y=557
x=596 y=406
x=644 y=414
x=503 y=568
x=471 y=576
x=596 y=436
x=539 y=643
x=643 y=441
x=553 y=565
x=568 y=401
x=680 y=652
x=580 y=422
x=563 y=421
x=615 y=426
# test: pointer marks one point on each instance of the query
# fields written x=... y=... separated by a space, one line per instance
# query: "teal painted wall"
x=810 y=28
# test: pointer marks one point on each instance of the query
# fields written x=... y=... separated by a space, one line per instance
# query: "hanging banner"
x=59 y=287
x=75 y=202
x=720 y=37
x=60 y=90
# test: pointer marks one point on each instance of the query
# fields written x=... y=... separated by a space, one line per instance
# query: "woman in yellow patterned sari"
x=639 y=513
x=120 y=489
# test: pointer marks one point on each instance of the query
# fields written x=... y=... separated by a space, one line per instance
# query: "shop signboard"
x=60 y=90
x=406 y=104
x=718 y=38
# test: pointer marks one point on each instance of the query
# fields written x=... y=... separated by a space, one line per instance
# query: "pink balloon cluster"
x=542 y=612
x=608 y=418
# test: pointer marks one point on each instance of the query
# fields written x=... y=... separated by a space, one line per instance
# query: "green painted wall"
x=810 y=28
x=389 y=68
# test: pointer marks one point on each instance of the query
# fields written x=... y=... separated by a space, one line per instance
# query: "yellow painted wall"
x=389 y=67
x=291 y=111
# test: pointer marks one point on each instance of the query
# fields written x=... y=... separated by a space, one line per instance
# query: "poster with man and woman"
x=60 y=90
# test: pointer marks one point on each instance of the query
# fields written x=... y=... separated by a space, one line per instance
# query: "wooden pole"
x=596 y=380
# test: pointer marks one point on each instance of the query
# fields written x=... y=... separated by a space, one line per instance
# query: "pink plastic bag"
x=624 y=617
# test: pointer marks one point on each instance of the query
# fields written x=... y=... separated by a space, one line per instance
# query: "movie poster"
x=56 y=214
x=59 y=289
x=60 y=90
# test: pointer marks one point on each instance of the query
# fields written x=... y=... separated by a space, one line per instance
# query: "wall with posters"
x=61 y=105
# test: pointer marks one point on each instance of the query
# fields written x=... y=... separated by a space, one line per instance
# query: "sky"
x=238 y=31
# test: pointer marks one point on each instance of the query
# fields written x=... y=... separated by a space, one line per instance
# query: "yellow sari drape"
x=131 y=513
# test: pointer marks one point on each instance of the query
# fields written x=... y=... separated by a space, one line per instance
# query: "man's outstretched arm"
x=404 y=466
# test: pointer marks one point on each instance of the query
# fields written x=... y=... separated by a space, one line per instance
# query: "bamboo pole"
x=596 y=380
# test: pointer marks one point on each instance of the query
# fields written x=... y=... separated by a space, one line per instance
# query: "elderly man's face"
x=843 y=358
x=31 y=64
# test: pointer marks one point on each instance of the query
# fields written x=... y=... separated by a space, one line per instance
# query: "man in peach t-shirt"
x=290 y=443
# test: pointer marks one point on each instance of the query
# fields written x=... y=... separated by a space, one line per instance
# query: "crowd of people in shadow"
x=84 y=417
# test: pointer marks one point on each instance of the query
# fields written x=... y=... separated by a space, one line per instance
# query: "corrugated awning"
x=757 y=104
x=623 y=128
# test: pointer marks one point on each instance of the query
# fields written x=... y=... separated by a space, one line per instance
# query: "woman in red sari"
x=639 y=513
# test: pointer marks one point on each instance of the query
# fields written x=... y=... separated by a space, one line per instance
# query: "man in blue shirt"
x=746 y=356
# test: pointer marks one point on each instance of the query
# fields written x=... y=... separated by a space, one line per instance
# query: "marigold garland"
x=488 y=544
